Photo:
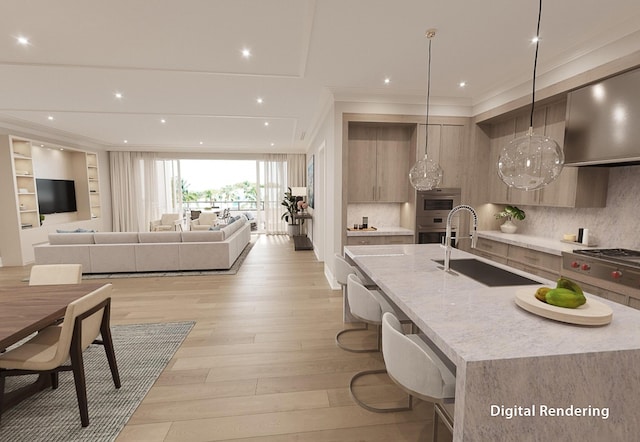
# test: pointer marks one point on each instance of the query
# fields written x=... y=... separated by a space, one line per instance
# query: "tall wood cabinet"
x=20 y=226
x=378 y=163
x=445 y=145
x=575 y=187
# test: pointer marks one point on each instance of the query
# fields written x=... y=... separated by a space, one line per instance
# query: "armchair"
x=205 y=221
x=168 y=221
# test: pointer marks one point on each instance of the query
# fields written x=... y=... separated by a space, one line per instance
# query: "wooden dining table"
x=26 y=309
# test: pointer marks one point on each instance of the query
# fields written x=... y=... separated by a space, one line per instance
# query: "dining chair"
x=47 y=351
x=418 y=370
x=46 y=274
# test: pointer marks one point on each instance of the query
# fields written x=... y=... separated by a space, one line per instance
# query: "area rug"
x=232 y=271
x=142 y=352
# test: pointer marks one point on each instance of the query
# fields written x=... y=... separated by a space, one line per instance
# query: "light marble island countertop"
x=507 y=356
x=382 y=231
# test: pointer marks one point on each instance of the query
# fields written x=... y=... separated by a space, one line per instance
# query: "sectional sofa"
x=112 y=252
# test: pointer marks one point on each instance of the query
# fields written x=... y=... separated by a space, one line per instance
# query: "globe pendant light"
x=532 y=161
x=426 y=174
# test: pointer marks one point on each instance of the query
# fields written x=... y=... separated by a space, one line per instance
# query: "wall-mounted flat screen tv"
x=56 y=196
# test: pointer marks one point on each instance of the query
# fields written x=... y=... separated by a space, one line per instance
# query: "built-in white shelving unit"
x=21 y=163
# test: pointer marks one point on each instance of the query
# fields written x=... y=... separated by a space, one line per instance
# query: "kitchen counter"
x=547 y=245
x=506 y=357
x=381 y=231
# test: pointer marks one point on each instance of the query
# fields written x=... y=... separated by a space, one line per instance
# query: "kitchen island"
x=515 y=372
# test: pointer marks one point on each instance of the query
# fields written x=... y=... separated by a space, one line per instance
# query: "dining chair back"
x=46 y=274
x=50 y=348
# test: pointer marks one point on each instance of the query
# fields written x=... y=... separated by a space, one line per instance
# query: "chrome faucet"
x=447 y=239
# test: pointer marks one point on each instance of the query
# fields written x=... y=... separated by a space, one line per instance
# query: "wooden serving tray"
x=591 y=313
x=368 y=229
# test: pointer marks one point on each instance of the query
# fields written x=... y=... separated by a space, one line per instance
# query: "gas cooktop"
x=630 y=258
x=609 y=253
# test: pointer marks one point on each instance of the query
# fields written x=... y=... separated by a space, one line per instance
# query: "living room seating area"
x=112 y=252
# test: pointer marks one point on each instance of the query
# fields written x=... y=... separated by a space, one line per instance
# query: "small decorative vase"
x=508 y=227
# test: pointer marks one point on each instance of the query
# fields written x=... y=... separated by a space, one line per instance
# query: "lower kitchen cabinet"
x=379 y=240
x=532 y=261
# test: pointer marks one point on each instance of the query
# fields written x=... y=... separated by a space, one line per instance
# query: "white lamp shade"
x=530 y=162
x=299 y=191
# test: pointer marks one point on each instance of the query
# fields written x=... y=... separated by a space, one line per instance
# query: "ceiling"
x=182 y=61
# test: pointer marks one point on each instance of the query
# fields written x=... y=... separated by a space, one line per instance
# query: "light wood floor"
x=261 y=363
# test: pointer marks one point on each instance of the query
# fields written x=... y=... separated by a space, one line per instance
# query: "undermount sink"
x=486 y=273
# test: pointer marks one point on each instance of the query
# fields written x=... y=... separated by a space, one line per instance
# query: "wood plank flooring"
x=261 y=363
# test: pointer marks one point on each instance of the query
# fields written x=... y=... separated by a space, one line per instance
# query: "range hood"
x=603 y=122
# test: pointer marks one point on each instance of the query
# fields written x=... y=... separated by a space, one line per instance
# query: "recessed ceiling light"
x=246 y=53
x=535 y=39
x=126 y=141
x=387 y=80
x=42 y=145
x=462 y=84
x=62 y=148
x=24 y=41
x=266 y=123
x=162 y=120
x=273 y=144
x=201 y=143
x=259 y=100
x=118 y=95
x=50 y=118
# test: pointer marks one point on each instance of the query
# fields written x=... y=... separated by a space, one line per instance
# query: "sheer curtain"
x=275 y=185
x=134 y=190
x=296 y=170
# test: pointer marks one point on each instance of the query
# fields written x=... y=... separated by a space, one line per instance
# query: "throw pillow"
x=214 y=228
x=75 y=231
x=232 y=220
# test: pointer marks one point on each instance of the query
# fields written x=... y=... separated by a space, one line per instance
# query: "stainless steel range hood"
x=603 y=122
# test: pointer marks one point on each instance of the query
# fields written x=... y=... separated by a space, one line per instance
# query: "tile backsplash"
x=379 y=214
x=616 y=225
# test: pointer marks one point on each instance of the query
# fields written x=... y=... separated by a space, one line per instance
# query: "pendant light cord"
x=426 y=140
x=535 y=65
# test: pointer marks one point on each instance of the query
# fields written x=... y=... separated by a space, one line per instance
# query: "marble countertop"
x=552 y=246
x=469 y=321
x=381 y=231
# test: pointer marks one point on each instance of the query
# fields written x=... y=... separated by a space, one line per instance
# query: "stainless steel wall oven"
x=432 y=209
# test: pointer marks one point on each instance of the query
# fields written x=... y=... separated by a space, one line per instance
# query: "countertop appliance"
x=432 y=209
x=618 y=267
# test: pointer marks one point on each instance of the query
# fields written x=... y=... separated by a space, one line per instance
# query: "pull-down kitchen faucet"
x=447 y=239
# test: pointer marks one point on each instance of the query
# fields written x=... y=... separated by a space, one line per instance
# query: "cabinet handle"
x=373 y=192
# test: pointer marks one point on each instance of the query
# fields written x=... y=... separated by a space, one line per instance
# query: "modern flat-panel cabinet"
x=575 y=187
x=532 y=261
x=378 y=159
x=445 y=145
x=379 y=240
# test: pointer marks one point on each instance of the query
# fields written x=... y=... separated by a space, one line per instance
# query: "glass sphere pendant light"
x=426 y=174
x=532 y=161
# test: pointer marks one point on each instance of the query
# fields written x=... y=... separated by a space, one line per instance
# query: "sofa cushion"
x=230 y=229
x=70 y=238
x=202 y=236
x=115 y=237
x=160 y=237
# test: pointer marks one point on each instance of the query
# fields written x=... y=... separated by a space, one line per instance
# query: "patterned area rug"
x=232 y=271
x=142 y=352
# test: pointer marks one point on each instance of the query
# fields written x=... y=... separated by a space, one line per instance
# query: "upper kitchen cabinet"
x=576 y=186
x=445 y=146
x=378 y=162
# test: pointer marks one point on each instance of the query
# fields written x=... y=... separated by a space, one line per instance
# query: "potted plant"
x=510 y=213
x=291 y=203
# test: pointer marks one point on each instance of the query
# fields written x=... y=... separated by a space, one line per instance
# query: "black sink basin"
x=486 y=273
